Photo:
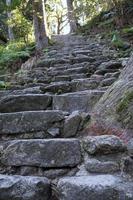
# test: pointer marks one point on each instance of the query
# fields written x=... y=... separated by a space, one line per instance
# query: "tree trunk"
x=39 y=24
x=71 y=16
x=10 y=30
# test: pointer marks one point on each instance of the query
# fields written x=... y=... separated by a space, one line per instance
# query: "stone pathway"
x=44 y=155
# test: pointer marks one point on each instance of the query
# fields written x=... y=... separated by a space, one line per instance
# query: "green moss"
x=124 y=111
x=128 y=30
x=4 y=85
x=124 y=103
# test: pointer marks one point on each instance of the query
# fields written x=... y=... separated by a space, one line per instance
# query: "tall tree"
x=56 y=16
x=10 y=30
x=39 y=21
x=71 y=16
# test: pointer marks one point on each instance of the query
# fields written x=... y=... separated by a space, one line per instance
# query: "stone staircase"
x=43 y=153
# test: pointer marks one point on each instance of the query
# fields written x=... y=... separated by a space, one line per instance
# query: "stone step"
x=27 y=89
x=110 y=65
x=70 y=71
x=58 y=87
x=68 y=66
x=81 y=51
x=112 y=75
x=61 y=78
x=104 y=144
x=25 y=102
x=30 y=122
x=97 y=187
x=107 y=82
x=24 y=187
x=104 y=152
x=77 y=76
x=49 y=153
x=68 y=77
x=103 y=167
x=84 y=84
x=82 y=101
x=104 y=71
x=75 y=85
x=49 y=62
x=81 y=59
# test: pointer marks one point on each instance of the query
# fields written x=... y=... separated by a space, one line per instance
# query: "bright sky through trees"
x=66 y=29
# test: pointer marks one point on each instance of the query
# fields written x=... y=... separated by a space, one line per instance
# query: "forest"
x=26 y=25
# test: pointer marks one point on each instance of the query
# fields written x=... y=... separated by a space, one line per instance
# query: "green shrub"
x=13 y=52
x=4 y=85
x=128 y=30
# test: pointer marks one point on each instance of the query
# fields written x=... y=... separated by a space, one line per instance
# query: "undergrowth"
x=14 y=54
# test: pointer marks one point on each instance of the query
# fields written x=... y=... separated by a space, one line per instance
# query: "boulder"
x=101 y=187
x=24 y=188
x=96 y=166
x=105 y=144
x=72 y=124
x=115 y=108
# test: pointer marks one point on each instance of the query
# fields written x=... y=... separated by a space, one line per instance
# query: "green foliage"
x=124 y=103
x=13 y=52
x=21 y=26
x=124 y=111
x=117 y=41
x=128 y=30
x=4 y=85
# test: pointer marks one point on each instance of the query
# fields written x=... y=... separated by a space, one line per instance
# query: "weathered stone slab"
x=82 y=101
x=61 y=78
x=75 y=76
x=71 y=124
x=105 y=144
x=85 y=84
x=104 y=71
x=51 y=153
x=96 y=166
x=99 y=187
x=59 y=87
x=110 y=65
x=77 y=70
x=107 y=82
x=27 y=102
x=24 y=188
x=30 y=121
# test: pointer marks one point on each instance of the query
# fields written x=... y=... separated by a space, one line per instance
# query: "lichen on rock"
x=115 y=108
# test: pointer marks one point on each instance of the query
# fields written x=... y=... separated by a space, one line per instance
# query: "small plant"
x=4 y=85
x=128 y=30
x=124 y=103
